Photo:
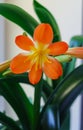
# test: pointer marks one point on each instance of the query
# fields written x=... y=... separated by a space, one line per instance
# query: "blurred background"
x=68 y=14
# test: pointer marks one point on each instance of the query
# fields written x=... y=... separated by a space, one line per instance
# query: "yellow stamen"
x=39 y=55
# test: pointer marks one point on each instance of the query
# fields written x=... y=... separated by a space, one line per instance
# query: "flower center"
x=39 y=55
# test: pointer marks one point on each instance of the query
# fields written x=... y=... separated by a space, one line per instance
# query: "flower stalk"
x=37 y=103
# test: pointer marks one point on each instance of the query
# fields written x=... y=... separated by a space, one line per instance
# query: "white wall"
x=2 y=53
x=68 y=14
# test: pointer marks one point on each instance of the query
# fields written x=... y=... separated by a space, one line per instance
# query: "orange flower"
x=39 y=56
x=75 y=52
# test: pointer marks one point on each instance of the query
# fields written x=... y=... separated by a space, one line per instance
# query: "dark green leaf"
x=50 y=119
x=46 y=89
x=18 y=16
x=66 y=122
x=37 y=103
x=66 y=92
x=12 y=92
x=23 y=78
x=76 y=41
x=68 y=86
x=16 y=97
x=2 y=127
x=45 y=16
x=7 y=121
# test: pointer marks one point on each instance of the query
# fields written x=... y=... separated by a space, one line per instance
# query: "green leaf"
x=37 y=103
x=8 y=122
x=2 y=127
x=18 y=16
x=46 y=89
x=45 y=16
x=76 y=41
x=23 y=78
x=66 y=92
x=68 y=87
x=50 y=119
x=16 y=97
x=66 y=122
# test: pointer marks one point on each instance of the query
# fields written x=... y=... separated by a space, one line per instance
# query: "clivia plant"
x=47 y=64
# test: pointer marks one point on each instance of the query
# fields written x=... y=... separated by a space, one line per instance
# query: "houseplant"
x=58 y=91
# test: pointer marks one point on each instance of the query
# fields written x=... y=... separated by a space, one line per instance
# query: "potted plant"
x=48 y=66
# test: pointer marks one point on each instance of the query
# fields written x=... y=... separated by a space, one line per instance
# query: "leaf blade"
x=7 y=121
x=18 y=16
x=45 y=16
x=14 y=97
x=63 y=93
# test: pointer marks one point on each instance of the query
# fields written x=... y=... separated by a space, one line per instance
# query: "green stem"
x=37 y=98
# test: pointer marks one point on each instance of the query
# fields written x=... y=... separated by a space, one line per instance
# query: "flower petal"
x=24 y=42
x=53 y=69
x=76 y=52
x=58 y=48
x=35 y=74
x=43 y=34
x=20 y=64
